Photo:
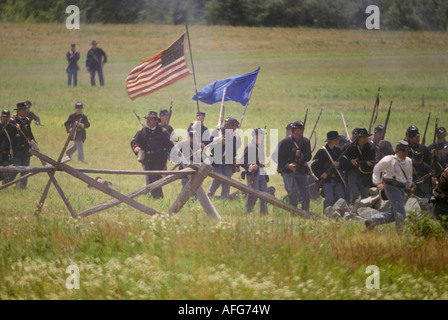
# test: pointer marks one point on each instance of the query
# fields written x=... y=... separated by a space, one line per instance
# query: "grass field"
x=122 y=253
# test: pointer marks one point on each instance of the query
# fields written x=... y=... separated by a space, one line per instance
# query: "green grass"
x=123 y=253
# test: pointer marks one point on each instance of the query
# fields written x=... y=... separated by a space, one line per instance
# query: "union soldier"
x=184 y=153
x=254 y=161
x=441 y=198
x=413 y=137
x=225 y=162
x=80 y=134
x=420 y=169
x=396 y=179
x=442 y=149
x=441 y=140
x=72 y=68
x=194 y=126
x=164 y=114
x=382 y=147
x=293 y=154
x=31 y=115
x=361 y=156
x=8 y=142
x=24 y=136
x=154 y=142
x=333 y=185
x=96 y=58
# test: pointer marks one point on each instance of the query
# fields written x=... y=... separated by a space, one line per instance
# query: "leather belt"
x=395 y=183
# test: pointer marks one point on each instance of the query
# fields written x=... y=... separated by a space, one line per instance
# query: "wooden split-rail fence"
x=195 y=173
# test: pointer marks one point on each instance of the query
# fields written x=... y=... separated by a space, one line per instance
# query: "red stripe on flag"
x=150 y=76
x=162 y=81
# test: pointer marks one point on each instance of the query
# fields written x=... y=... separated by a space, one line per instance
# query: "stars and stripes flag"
x=161 y=70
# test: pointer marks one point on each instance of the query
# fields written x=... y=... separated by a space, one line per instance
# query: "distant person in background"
x=96 y=58
x=80 y=134
x=31 y=115
x=72 y=69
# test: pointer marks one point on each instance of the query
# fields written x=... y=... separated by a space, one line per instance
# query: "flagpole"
x=245 y=108
x=247 y=103
x=192 y=66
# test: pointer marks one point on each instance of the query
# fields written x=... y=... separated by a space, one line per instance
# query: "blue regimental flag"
x=238 y=89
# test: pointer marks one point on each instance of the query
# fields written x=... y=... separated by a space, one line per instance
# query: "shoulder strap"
x=401 y=167
x=331 y=159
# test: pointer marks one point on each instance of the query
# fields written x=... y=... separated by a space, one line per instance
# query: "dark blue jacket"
x=72 y=59
x=81 y=132
x=8 y=141
x=94 y=57
x=287 y=154
x=156 y=144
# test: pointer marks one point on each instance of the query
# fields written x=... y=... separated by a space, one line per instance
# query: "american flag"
x=159 y=71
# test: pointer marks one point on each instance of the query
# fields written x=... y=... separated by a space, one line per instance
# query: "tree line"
x=394 y=14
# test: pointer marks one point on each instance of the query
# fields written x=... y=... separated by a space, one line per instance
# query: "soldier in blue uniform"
x=382 y=147
x=420 y=169
x=96 y=58
x=254 y=161
x=8 y=142
x=293 y=154
x=31 y=115
x=224 y=165
x=361 y=156
x=441 y=140
x=72 y=68
x=194 y=126
x=24 y=136
x=80 y=135
x=413 y=137
x=333 y=184
x=154 y=142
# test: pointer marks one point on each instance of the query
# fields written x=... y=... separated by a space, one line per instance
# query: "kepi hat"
x=402 y=145
x=412 y=132
x=21 y=106
x=152 y=114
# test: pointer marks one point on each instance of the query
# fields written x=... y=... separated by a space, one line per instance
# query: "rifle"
x=435 y=156
x=4 y=127
x=375 y=110
x=321 y=180
x=379 y=153
x=32 y=143
x=219 y=125
x=314 y=130
x=169 y=114
x=426 y=128
x=221 y=113
x=139 y=119
x=345 y=127
x=297 y=159
x=413 y=186
x=75 y=127
x=304 y=121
